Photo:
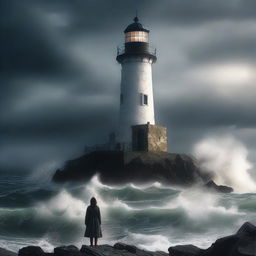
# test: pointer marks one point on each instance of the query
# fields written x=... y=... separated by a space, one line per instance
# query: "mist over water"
x=227 y=159
x=151 y=216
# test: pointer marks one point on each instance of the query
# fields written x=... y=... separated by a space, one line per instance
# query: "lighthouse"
x=136 y=95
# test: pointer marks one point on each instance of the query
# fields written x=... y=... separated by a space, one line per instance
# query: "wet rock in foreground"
x=243 y=243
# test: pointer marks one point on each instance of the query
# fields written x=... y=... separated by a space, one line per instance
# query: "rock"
x=118 y=249
x=243 y=243
x=218 y=188
x=100 y=250
x=247 y=229
x=185 y=250
x=222 y=246
x=4 y=252
x=31 y=251
x=69 y=250
x=122 y=246
x=118 y=167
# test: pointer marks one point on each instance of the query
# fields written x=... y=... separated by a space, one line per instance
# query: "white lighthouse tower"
x=136 y=98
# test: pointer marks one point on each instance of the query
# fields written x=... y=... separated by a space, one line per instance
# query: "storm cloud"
x=60 y=80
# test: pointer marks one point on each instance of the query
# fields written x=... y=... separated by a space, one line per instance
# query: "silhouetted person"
x=93 y=222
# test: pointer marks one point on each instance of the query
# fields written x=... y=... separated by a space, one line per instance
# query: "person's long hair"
x=93 y=201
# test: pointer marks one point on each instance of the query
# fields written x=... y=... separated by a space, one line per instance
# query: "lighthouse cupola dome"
x=135 y=26
x=135 y=32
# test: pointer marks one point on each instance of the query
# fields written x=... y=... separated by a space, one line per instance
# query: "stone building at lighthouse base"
x=147 y=137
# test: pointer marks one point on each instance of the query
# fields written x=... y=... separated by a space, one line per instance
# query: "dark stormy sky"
x=60 y=81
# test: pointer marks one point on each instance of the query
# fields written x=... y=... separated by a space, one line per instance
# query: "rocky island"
x=119 y=167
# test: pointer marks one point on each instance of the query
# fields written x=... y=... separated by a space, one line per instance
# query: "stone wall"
x=157 y=138
x=149 y=137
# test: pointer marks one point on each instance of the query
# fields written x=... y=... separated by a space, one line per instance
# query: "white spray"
x=226 y=158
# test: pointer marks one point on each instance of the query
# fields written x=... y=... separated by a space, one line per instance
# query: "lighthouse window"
x=136 y=36
x=144 y=99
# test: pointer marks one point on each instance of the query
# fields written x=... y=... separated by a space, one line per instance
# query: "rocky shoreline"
x=243 y=243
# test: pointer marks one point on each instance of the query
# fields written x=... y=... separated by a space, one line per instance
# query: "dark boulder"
x=69 y=250
x=127 y=249
x=218 y=188
x=122 y=246
x=243 y=243
x=185 y=250
x=118 y=249
x=222 y=246
x=247 y=229
x=31 y=251
x=101 y=250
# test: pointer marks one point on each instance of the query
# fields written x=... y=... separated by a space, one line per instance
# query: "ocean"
x=33 y=211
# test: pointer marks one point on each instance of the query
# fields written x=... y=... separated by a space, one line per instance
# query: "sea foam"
x=227 y=159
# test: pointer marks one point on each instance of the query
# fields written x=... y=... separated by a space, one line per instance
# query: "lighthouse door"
x=141 y=140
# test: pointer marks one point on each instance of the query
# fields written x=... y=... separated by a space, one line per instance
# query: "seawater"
x=152 y=216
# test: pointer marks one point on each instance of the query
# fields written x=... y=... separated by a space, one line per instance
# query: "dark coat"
x=93 y=222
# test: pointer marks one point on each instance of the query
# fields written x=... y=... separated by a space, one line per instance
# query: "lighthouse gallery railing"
x=121 y=50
